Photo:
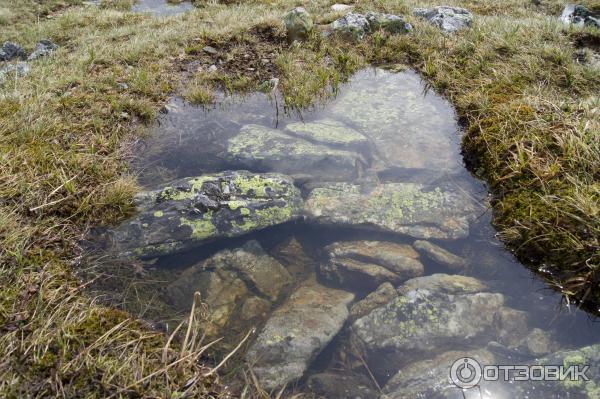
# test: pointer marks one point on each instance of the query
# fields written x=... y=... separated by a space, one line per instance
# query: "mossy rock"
x=404 y=208
x=192 y=211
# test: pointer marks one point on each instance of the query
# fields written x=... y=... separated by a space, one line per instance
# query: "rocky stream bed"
x=351 y=237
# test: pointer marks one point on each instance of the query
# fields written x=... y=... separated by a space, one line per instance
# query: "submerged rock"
x=404 y=126
x=341 y=386
x=404 y=208
x=298 y=24
x=238 y=285
x=381 y=296
x=448 y=19
x=262 y=148
x=579 y=15
x=297 y=332
x=367 y=264
x=43 y=48
x=430 y=378
x=440 y=255
x=328 y=132
x=9 y=51
x=443 y=313
x=191 y=211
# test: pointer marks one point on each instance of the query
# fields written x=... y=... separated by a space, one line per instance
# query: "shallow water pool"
x=367 y=265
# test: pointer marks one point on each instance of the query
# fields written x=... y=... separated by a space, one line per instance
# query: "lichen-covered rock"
x=381 y=296
x=579 y=388
x=578 y=15
x=357 y=26
x=43 y=48
x=424 y=321
x=352 y=25
x=328 y=132
x=297 y=332
x=262 y=148
x=9 y=51
x=440 y=255
x=430 y=378
x=404 y=208
x=189 y=212
x=404 y=126
x=448 y=19
x=390 y=23
x=367 y=264
x=238 y=285
x=298 y=24
x=341 y=386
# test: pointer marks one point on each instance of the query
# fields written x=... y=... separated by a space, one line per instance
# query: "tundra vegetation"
x=524 y=84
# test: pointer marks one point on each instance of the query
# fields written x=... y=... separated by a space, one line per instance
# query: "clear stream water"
x=413 y=137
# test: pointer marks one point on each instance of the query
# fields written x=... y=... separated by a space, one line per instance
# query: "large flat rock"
x=189 y=212
x=404 y=208
x=259 y=147
x=297 y=332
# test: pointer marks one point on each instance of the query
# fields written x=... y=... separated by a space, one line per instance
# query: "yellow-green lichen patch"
x=158 y=214
x=202 y=228
x=327 y=131
x=257 y=142
x=259 y=186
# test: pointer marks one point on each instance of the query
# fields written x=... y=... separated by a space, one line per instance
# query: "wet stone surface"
x=350 y=237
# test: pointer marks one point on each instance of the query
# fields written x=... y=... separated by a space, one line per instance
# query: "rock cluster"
x=448 y=19
x=579 y=15
x=357 y=26
x=12 y=51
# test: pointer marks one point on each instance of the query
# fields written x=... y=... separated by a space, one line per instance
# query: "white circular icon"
x=465 y=373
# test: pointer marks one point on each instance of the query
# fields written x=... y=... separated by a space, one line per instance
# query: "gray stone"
x=357 y=26
x=579 y=15
x=448 y=19
x=367 y=264
x=297 y=332
x=19 y=69
x=340 y=7
x=210 y=50
x=352 y=25
x=538 y=343
x=440 y=255
x=298 y=24
x=430 y=378
x=381 y=296
x=262 y=148
x=292 y=255
x=388 y=22
x=422 y=322
x=183 y=214
x=341 y=386
x=43 y=48
x=328 y=132
x=238 y=285
x=404 y=208
x=9 y=51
